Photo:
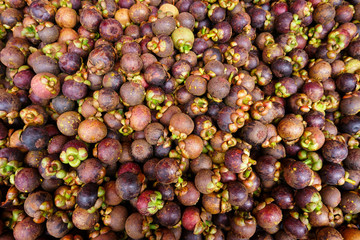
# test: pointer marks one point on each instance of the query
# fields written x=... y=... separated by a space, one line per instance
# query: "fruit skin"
x=350 y=233
x=68 y=123
x=297 y=175
x=328 y=233
x=183 y=39
x=87 y=196
x=140 y=117
x=133 y=226
x=167 y=171
x=61 y=219
x=108 y=151
x=27 y=180
x=335 y=151
x=111 y=30
x=91 y=170
x=290 y=128
x=128 y=186
x=84 y=220
x=236 y=160
x=12 y=57
x=169 y=215
x=294 y=225
x=27 y=229
x=269 y=215
x=34 y=138
x=238 y=193
x=190 y=218
x=92 y=130
x=101 y=59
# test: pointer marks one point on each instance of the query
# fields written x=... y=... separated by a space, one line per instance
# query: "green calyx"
x=14 y=196
x=65 y=218
x=53 y=168
x=308 y=9
x=72 y=179
x=46 y=206
x=258 y=75
x=231 y=56
x=331 y=102
x=53 y=51
x=308 y=142
x=211 y=8
x=312 y=159
x=208 y=130
x=154 y=100
x=183 y=76
x=185 y=47
x=228 y=4
x=8 y=168
x=352 y=65
x=281 y=90
x=59 y=201
x=238 y=120
x=50 y=83
x=78 y=77
x=12 y=217
x=246 y=162
x=337 y=39
x=65 y=3
x=228 y=142
x=100 y=203
x=215 y=185
x=200 y=105
x=82 y=43
x=9 y=116
x=30 y=32
x=215 y=34
x=295 y=23
x=315 y=31
x=199 y=228
x=152 y=45
x=207 y=148
x=246 y=174
x=349 y=217
x=315 y=42
x=66 y=197
x=149 y=226
x=101 y=192
x=3 y=32
x=156 y=45
x=126 y=130
x=319 y=106
x=315 y=203
x=244 y=99
x=291 y=43
x=31 y=116
x=73 y=156
x=156 y=203
x=269 y=19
